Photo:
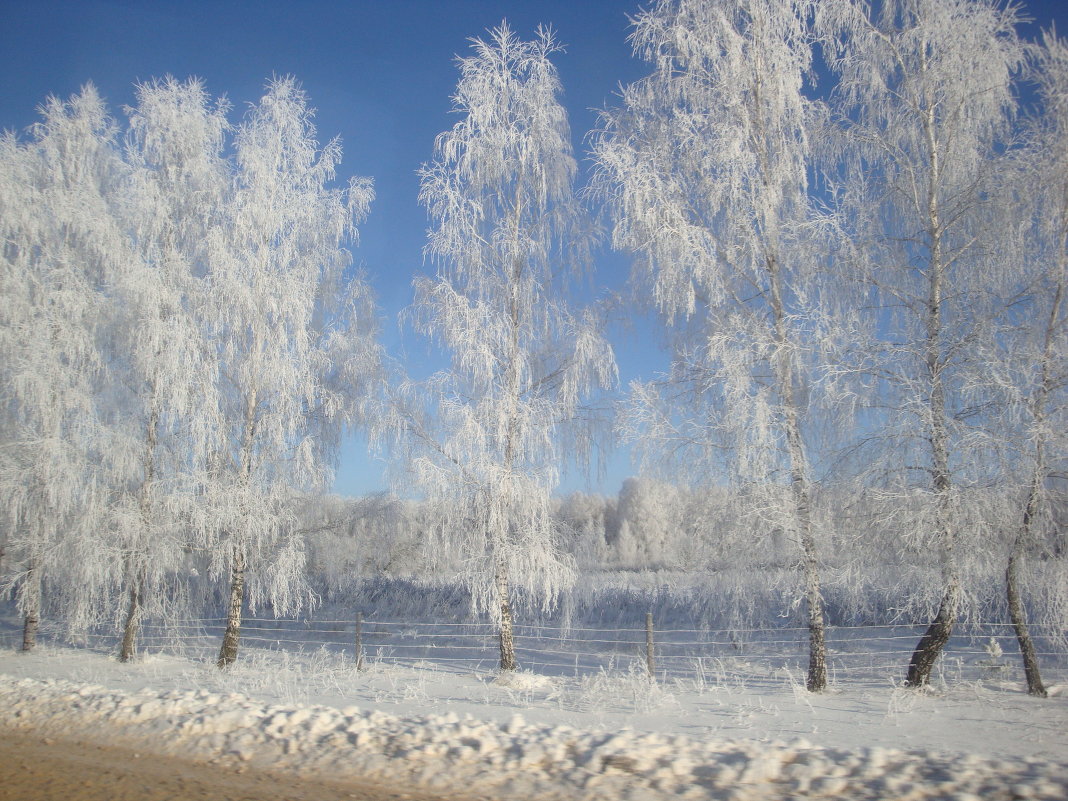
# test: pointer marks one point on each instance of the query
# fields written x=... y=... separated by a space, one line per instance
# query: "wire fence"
x=749 y=656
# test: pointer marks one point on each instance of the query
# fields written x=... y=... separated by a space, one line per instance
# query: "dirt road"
x=36 y=769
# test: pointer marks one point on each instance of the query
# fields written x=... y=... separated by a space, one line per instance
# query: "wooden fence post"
x=359 y=640
x=650 y=662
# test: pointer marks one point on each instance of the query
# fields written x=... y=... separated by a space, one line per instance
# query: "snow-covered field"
x=609 y=734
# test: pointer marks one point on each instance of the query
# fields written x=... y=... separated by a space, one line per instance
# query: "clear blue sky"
x=380 y=73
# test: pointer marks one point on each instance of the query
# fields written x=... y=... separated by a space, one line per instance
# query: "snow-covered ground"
x=610 y=734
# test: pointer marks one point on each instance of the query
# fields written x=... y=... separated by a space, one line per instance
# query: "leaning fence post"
x=359 y=640
x=650 y=662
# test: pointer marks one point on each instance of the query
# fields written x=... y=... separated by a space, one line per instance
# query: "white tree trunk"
x=816 y=680
x=236 y=607
x=940 y=629
x=507 y=640
x=135 y=572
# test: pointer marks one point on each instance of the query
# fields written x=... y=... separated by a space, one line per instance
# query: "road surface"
x=33 y=768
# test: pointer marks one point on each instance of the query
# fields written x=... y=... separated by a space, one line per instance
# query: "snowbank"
x=513 y=759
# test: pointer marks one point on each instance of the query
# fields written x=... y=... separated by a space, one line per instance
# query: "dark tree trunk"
x=1023 y=636
x=507 y=639
x=135 y=569
x=232 y=637
x=32 y=618
x=933 y=641
x=817 y=650
x=29 y=630
x=130 y=629
x=1024 y=535
x=235 y=611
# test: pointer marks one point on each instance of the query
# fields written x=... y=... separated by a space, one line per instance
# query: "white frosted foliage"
x=183 y=342
x=925 y=104
x=277 y=269
x=60 y=243
x=705 y=167
x=162 y=381
x=507 y=235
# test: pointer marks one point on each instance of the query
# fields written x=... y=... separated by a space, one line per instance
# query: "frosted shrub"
x=632 y=689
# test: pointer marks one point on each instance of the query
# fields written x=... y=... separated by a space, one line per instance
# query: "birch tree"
x=706 y=170
x=162 y=360
x=59 y=242
x=506 y=231
x=925 y=100
x=1039 y=364
x=278 y=263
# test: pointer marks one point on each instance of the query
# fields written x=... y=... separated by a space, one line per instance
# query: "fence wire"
x=752 y=655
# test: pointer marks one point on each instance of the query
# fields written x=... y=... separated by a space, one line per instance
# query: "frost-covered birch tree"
x=705 y=166
x=162 y=367
x=506 y=236
x=1038 y=361
x=277 y=266
x=59 y=243
x=925 y=99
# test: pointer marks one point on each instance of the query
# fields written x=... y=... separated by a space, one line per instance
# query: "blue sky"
x=380 y=73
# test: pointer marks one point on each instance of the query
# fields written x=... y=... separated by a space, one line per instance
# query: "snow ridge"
x=450 y=753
